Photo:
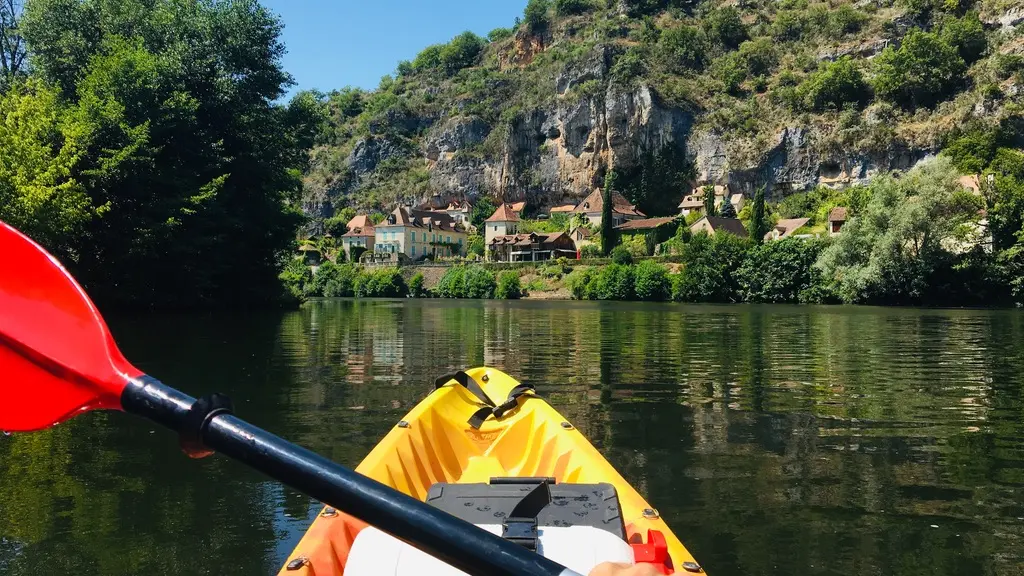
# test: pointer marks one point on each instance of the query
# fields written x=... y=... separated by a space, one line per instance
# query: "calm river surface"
x=775 y=440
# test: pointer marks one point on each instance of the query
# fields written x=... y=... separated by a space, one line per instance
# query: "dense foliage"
x=135 y=148
x=473 y=281
x=509 y=287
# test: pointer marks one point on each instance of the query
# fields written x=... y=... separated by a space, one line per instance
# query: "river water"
x=774 y=440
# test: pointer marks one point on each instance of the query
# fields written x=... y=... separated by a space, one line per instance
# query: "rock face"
x=561 y=152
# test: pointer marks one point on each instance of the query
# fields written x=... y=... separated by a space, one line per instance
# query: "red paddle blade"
x=57 y=357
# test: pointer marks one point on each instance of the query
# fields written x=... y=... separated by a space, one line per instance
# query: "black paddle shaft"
x=450 y=539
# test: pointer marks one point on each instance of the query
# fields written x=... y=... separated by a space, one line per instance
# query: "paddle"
x=58 y=360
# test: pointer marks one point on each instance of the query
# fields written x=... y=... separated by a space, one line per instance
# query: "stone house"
x=622 y=210
x=420 y=233
x=713 y=225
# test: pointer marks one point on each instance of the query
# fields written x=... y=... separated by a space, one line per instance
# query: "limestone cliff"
x=542 y=116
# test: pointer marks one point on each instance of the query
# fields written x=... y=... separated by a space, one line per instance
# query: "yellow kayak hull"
x=434 y=443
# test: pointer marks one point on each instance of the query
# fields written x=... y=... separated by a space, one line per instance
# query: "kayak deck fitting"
x=497 y=466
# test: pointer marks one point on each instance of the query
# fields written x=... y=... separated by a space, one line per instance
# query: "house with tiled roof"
x=593 y=205
x=361 y=234
x=563 y=209
x=712 y=225
x=785 y=228
x=420 y=233
x=461 y=212
x=504 y=222
x=694 y=201
x=531 y=247
x=837 y=219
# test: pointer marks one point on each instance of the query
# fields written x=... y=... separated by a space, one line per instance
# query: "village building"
x=694 y=201
x=419 y=234
x=592 y=207
x=714 y=225
x=531 y=247
x=581 y=236
x=518 y=208
x=460 y=212
x=837 y=219
x=361 y=234
x=786 y=228
x=563 y=209
x=504 y=222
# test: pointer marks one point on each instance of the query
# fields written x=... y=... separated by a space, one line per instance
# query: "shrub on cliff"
x=923 y=71
x=835 y=85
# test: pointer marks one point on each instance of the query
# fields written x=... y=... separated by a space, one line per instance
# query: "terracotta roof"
x=789 y=226
x=731 y=225
x=595 y=203
x=420 y=219
x=581 y=231
x=563 y=208
x=459 y=206
x=645 y=224
x=838 y=214
x=518 y=207
x=360 y=221
x=527 y=239
x=691 y=201
x=360 y=232
x=504 y=213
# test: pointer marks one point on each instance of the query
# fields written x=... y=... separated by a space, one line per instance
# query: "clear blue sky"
x=332 y=44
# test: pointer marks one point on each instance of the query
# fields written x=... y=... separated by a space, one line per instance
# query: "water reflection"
x=774 y=439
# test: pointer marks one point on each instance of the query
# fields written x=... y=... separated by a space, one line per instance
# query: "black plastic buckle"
x=199 y=415
x=521 y=531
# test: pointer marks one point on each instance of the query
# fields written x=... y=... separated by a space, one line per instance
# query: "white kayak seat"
x=579 y=548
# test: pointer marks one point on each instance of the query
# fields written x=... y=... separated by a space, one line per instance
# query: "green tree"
x=709 y=266
x=728 y=210
x=614 y=282
x=480 y=283
x=621 y=255
x=834 y=85
x=416 y=289
x=41 y=149
x=499 y=34
x=759 y=224
x=482 y=210
x=890 y=252
x=923 y=71
x=709 y=201
x=183 y=96
x=536 y=15
x=571 y=7
x=780 y=272
x=509 y=286
x=608 y=236
x=683 y=48
x=966 y=34
x=725 y=27
x=651 y=281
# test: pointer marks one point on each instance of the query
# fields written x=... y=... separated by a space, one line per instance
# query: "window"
x=424 y=236
x=413 y=250
x=460 y=241
x=449 y=240
x=495 y=227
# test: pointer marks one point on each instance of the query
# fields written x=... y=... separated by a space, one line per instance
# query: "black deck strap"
x=489 y=408
x=199 y=415
x=521 y=525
